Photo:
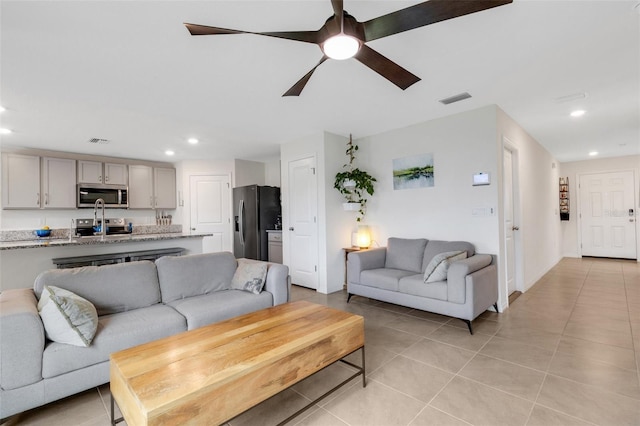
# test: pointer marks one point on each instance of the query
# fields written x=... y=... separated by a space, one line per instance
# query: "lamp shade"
x=364 y=236
x=341 y=47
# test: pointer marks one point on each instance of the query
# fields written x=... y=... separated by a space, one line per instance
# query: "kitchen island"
x=22 y=261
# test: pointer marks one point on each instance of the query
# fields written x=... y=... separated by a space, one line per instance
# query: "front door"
x=210 y=211
x=303 y=227
x=607 y=214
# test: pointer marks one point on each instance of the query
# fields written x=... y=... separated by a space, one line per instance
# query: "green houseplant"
x=354 y=184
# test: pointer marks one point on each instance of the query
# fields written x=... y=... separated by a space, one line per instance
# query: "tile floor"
x=567 y=352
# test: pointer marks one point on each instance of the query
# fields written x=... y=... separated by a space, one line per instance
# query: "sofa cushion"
x=383 y=278
x=111 y=288
x=221 y=305
x=439 y=265
x=67 y=317
x=414 y=285
x=249 y=276
x=405 y=254
x=115 y=332
x=436 y=247
x=194 y=275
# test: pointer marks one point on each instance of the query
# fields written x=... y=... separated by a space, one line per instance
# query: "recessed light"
x=192 y=141
x=2 y=109
x=593 y=153
x=5 y=131
x=578 y=113
x=169 y=152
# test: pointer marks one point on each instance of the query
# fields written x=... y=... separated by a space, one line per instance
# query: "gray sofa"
x=395 y=274
x=136 y=302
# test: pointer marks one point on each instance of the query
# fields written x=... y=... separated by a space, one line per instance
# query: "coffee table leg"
x=364 y=375
x=114 y=421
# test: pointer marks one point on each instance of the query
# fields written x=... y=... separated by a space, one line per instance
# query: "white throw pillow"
x=249 y=276
x=67 y=317
x=439 y=265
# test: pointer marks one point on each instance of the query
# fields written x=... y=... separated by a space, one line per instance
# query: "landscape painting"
x=413 y=172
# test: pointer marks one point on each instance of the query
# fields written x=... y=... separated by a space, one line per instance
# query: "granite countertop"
x=94 y=240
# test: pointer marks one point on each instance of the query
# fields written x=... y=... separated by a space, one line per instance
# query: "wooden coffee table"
x=214 y=373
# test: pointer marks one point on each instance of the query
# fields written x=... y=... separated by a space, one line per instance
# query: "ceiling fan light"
x=341 y=47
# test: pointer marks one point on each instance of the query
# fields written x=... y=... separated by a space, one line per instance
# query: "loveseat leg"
x=349 y=297
x=469 y=325
x=495 y=305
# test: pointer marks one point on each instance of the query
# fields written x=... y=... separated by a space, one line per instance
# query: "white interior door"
x=608 y=215
x=509 y=224
x=211 y=211
x=302 y=219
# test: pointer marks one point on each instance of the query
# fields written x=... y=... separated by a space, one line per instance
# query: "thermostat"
x=481 y=178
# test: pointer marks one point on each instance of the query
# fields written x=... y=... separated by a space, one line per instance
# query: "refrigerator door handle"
x=241 y=213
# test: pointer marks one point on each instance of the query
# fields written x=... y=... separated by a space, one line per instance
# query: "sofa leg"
x=469 y=325
x=495 y=305
x=349 y=297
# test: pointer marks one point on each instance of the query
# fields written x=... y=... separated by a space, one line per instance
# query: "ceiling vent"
x=99 y=141
x=455 y=98
x=571 y=97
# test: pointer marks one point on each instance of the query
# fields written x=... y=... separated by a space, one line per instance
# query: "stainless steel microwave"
x=114 y=196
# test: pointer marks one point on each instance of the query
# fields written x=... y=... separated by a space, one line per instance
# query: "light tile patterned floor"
x=567 y=352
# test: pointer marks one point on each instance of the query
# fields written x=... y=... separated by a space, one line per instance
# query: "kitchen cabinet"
x=164 y=185
x=58 y=186
x=20 y=181
x=275 y=246
x=97 y=172
x=141 y=187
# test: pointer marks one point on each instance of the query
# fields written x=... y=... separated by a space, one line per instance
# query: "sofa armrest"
x=22 y=336
x=278 y=283
x=358 y=261
x=457 y=273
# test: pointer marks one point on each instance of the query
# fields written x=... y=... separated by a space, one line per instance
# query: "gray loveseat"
x=395 y=274
x=136 y=302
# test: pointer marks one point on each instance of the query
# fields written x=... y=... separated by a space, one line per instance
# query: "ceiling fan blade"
x=338 y=7
x=304 y=36
x=296 y=89
x=386 y=67
x=423 y=14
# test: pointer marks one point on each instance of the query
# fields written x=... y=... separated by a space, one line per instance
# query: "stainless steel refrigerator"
x=255 y=209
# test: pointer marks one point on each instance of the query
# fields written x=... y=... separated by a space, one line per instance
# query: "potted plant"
x=354 y=184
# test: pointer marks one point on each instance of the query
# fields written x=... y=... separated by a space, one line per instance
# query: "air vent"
x=571 y=97
x=455 y=98
x=99 y=141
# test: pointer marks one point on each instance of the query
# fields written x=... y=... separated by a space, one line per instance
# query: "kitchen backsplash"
x=26 y=235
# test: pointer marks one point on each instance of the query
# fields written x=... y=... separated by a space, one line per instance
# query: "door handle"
x=515 y=228
x=291 y=228
x=193 y=229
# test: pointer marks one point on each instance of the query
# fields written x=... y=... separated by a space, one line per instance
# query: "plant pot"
x=349 y=184
x=351 y=207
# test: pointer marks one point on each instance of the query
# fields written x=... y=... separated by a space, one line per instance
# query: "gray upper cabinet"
x=20 y=181
x=164 y=185
x=141 y=187
x=152 y=187
x=97 y=172
x=58 y=183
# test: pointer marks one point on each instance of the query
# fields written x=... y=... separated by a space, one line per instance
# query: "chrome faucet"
x=103 y=225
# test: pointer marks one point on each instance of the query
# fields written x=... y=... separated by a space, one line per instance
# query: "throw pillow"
x=67 y=317
x=439 y=265
x=249 y=276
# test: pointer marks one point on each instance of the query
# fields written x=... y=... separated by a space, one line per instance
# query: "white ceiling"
x=131 y=73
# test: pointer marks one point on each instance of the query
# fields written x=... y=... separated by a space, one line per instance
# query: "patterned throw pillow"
x=249 y=276
x=439 y=265
x=67 y=317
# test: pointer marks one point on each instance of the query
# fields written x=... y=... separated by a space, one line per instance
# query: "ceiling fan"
x=342 y=36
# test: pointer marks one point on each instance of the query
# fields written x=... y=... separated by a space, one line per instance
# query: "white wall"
x=249 y=173
x=462 y=145
x=272 y=173
x=538 y=241
x=570 y=230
